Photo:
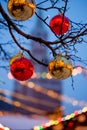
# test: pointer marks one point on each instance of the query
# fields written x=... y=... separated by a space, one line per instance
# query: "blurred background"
x=41 y=98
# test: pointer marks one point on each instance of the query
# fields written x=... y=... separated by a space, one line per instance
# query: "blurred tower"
x=41 y=93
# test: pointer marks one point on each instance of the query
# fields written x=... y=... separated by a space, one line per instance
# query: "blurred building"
x=4 y=106
x=39 y=95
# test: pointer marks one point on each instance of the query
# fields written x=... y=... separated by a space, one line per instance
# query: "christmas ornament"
x=21 y=68
x=59 y=24
x=61 y=67
x=21 y=9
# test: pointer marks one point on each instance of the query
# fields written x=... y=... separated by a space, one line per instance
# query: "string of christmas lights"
x=3 y=127
x=76 y=70
x=50 y=93
x=27 y=98
x=21 y=105
x=54 y=94
x=18 y=104
x=35 y=100
x=60 y=120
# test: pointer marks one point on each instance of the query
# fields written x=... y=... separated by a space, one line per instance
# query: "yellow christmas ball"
x=21 y=9
x=61 y=67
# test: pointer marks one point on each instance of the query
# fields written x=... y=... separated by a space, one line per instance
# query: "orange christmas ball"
x=21 y=68
x=59 y=24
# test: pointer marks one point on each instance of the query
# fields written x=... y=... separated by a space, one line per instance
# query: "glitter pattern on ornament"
x=60 y=67
x=59 y=24
x=21 y=9
x=21 y=68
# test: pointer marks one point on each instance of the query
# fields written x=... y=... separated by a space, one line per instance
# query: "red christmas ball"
x=21 y=68
x=59 y=24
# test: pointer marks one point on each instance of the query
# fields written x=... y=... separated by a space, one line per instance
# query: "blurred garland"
x=63 y=120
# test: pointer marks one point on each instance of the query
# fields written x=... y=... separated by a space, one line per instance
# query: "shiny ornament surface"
x=21 y=68
x=60 y=68
x=21 y=9
x=59 y=24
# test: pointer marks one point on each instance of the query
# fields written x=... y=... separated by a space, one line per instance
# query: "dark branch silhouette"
x=65 y=43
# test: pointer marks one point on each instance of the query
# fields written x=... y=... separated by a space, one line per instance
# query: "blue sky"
x=77 y=13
